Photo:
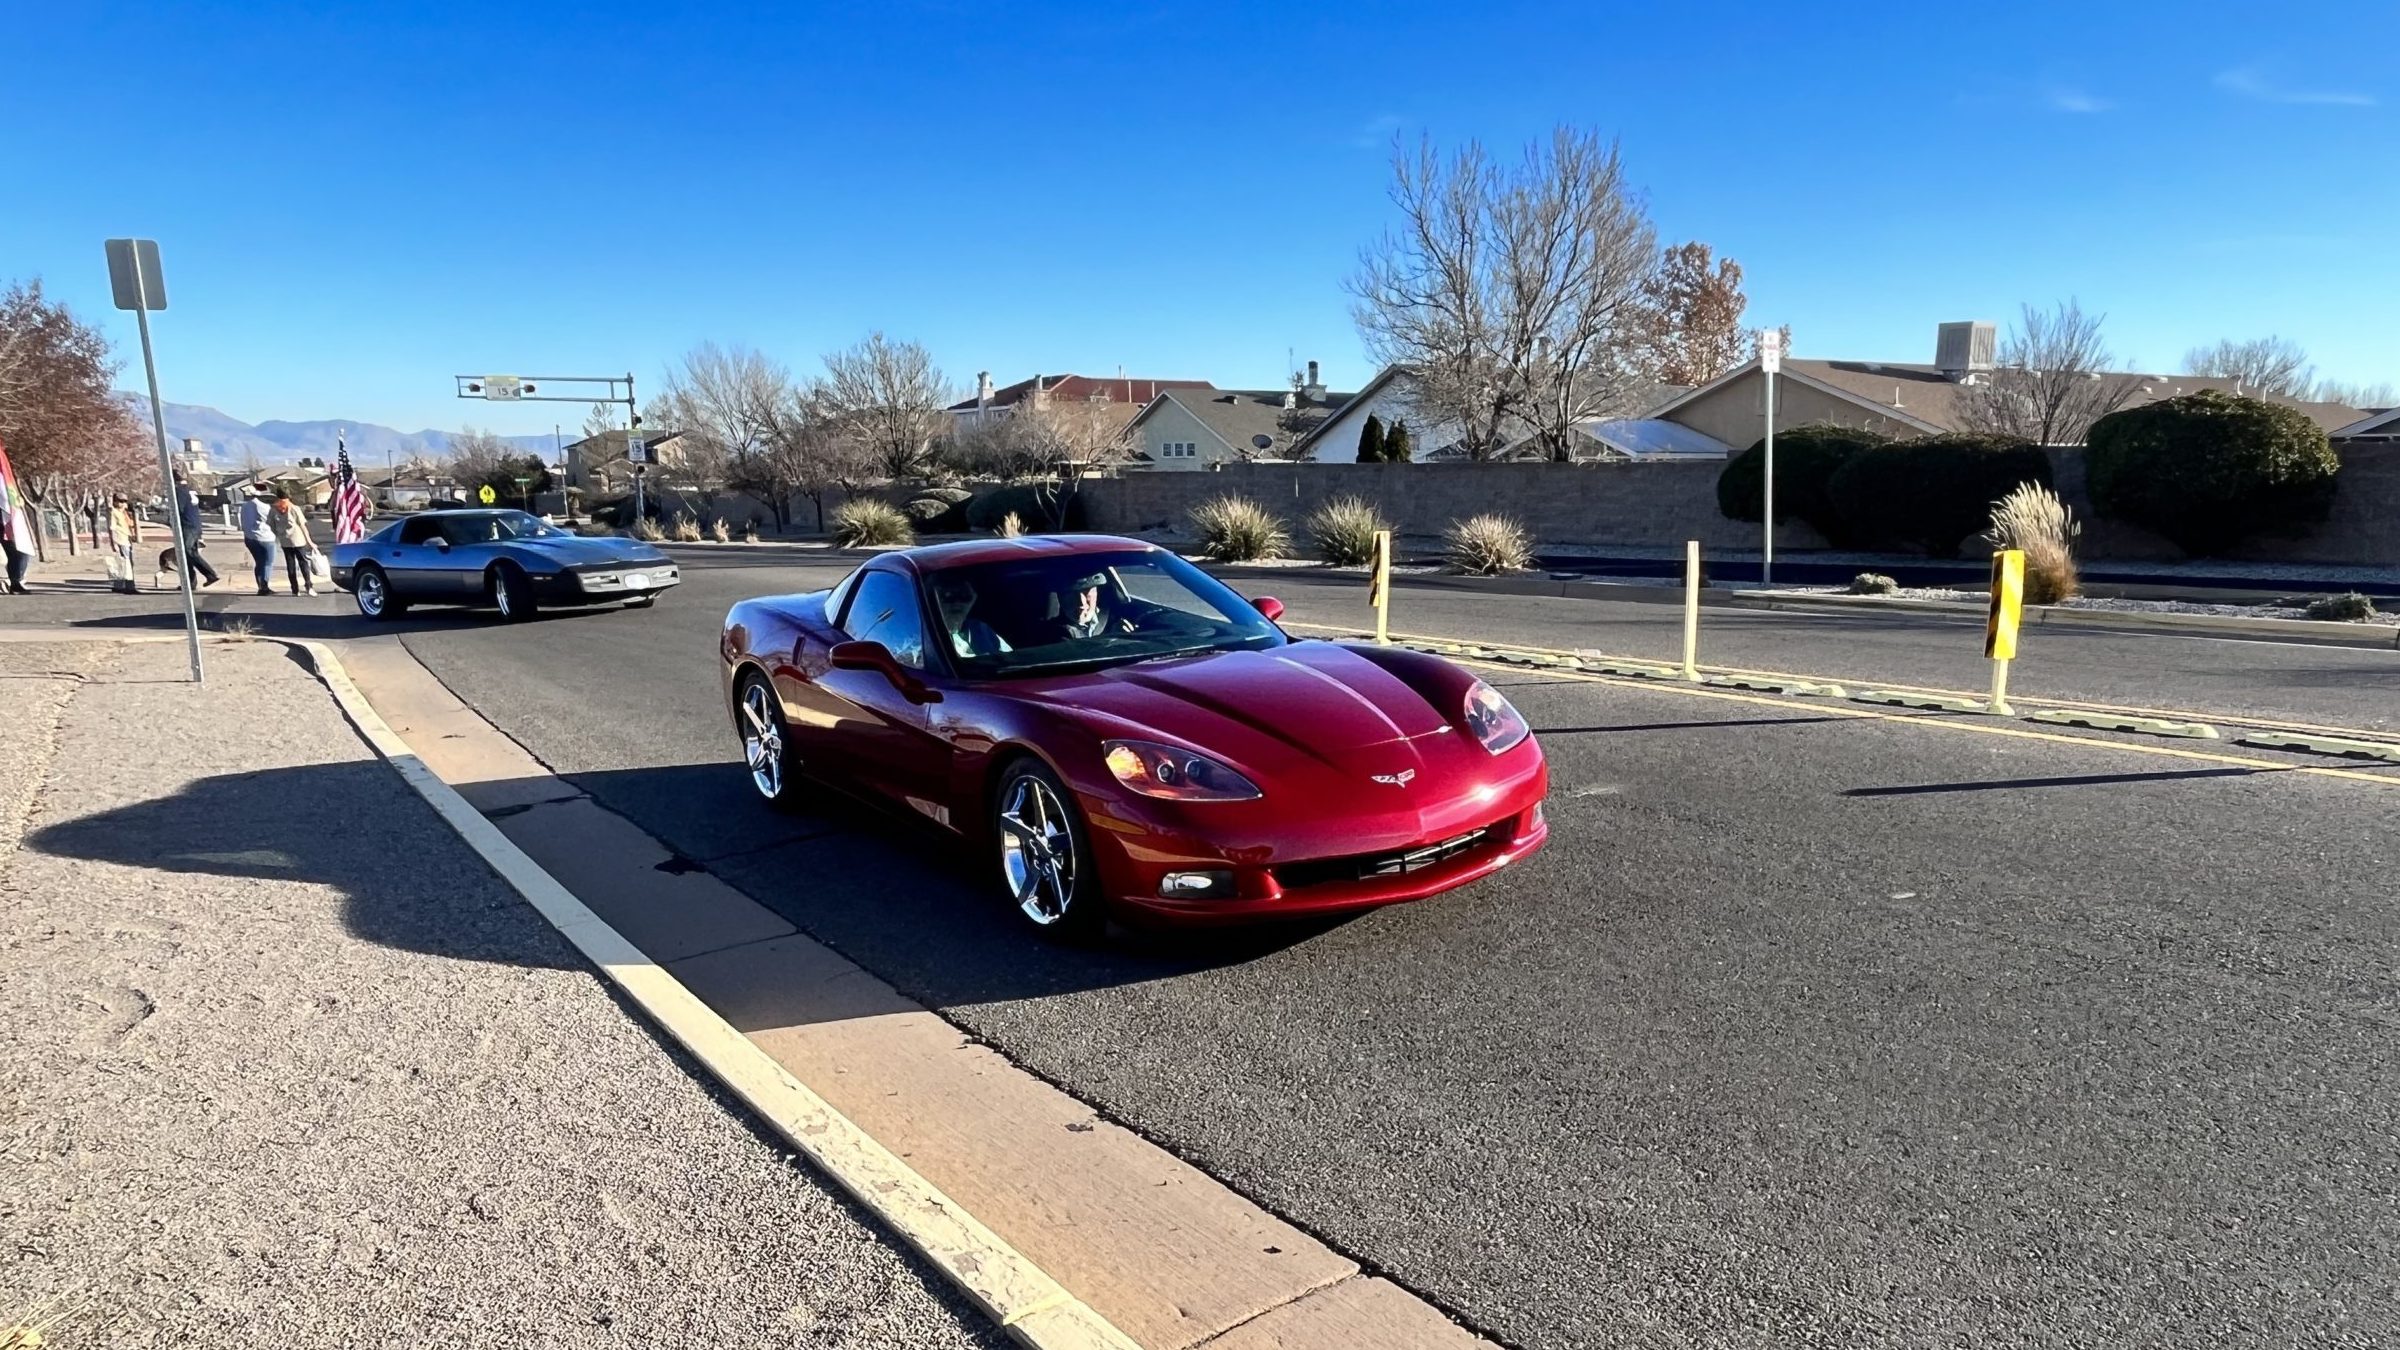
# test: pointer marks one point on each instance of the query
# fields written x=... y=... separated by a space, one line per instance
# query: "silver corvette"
x=513 y=562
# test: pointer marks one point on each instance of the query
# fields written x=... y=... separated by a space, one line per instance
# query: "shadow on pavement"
x=2075 y=780
x=918 y=907
x=406 y=881
x=266 y=620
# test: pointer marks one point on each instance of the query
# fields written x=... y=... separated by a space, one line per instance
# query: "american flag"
x=349 y=499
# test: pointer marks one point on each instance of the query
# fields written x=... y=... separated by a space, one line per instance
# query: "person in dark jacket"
x=187 y=510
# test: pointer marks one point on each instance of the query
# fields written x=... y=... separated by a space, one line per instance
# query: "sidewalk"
x=288 y=1066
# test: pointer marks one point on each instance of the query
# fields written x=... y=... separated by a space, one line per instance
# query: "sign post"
x=1770 y=360
x=2000 y=628
x=134 y=277
x=1379 y=586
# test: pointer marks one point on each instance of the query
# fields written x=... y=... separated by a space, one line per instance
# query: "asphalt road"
x=1805 y=1030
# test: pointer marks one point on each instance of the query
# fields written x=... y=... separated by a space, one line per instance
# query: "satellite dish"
x=1263 y=441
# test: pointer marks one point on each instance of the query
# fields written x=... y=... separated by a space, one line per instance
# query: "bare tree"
x=724 y=401
x=477 y=457
x=71 y=438
x=1515 y=294
x=811 y=453
x=2052 y=381
x=1694 y=305
x=2378 y=395
x=2268 y=365
x=889 y=397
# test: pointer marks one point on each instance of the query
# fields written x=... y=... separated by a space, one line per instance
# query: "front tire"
x=373 y=592
x=1045 y=853
x=766 y=742
x=511 y=594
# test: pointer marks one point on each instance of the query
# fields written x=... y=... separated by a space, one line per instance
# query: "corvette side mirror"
x=1269 y=606
x=440 y=545
x=878 y=658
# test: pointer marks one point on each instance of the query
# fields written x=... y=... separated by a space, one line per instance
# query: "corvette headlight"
x=1155 y=770
x=1494 y=720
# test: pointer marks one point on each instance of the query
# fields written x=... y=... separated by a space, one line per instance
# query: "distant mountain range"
x=231 y=441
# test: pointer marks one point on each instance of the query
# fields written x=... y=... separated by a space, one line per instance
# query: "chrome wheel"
x=762 y=739
x=502 y=597
x=371 y=594
x=1037 y=850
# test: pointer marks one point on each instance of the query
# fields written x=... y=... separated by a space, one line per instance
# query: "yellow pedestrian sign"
x=485 y=495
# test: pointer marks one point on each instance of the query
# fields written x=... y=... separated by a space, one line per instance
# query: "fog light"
x=1196 y=885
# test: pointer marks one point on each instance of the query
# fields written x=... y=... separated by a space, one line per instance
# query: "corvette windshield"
x=1087 y=611
x=519 y=525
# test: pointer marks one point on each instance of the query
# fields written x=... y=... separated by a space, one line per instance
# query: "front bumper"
x=1326 y=865
x=605 y=581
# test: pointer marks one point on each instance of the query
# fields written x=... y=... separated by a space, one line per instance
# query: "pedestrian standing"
x=16 y=529
x=299 y=550
x=187 y=510
x=258 y=536
x=123 y=533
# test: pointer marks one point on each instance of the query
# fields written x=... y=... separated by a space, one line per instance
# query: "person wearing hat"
x=123 y=533
x=187 y=510
x=1084 y=613
x=299 y=549
x=258 y=536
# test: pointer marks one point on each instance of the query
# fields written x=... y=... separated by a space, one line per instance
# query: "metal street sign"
x=637 y=451
x=485 y=495
x=503 y=388
x=1770 y=349
x=133 y=274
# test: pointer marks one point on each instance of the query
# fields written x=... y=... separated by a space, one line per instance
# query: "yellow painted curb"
x=1032 y=1307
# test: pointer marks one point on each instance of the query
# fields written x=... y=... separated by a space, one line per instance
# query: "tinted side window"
x=835 y=597
x=885 y=611
x=420 y=530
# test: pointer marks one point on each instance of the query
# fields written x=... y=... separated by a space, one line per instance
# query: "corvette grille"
x=1369 y=866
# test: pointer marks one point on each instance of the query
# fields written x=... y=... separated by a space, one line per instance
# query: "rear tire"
x=511 y=593
x=373 y=592
x=766 y=742
x=1045 y=854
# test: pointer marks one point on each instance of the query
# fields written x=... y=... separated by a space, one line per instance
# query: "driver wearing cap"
x=1085 y=614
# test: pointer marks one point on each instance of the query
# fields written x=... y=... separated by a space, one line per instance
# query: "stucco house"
x=1727 y=414
x=1193 y=429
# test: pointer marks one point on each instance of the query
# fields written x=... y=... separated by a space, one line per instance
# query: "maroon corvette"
x=1122 y=733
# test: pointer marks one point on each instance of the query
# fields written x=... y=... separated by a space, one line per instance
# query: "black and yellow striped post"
x=2000 y=628
x=1379 y=586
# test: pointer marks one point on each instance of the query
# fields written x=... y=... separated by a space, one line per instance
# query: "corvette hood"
x=581 y=552
x=1311 y=698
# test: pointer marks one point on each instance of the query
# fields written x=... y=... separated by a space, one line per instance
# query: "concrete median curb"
x=2107 y=721
x=1033 y=1308
x=2368 y=636
x=2386 y=751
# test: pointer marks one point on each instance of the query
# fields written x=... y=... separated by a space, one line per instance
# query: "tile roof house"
x=1133 y=394
x=2379 y=426
x=1190 y=429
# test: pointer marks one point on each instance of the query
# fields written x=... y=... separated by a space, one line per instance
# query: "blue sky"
x=353 y=206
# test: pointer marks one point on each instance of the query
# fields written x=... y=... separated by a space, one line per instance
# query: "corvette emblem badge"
x=1399 y=779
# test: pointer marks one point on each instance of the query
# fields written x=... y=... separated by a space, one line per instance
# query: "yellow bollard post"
x=2000 y=627
x=1379 y=586
x=1691 y=610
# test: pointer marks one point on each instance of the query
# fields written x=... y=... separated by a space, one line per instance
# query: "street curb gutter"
x=1034 y=1309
